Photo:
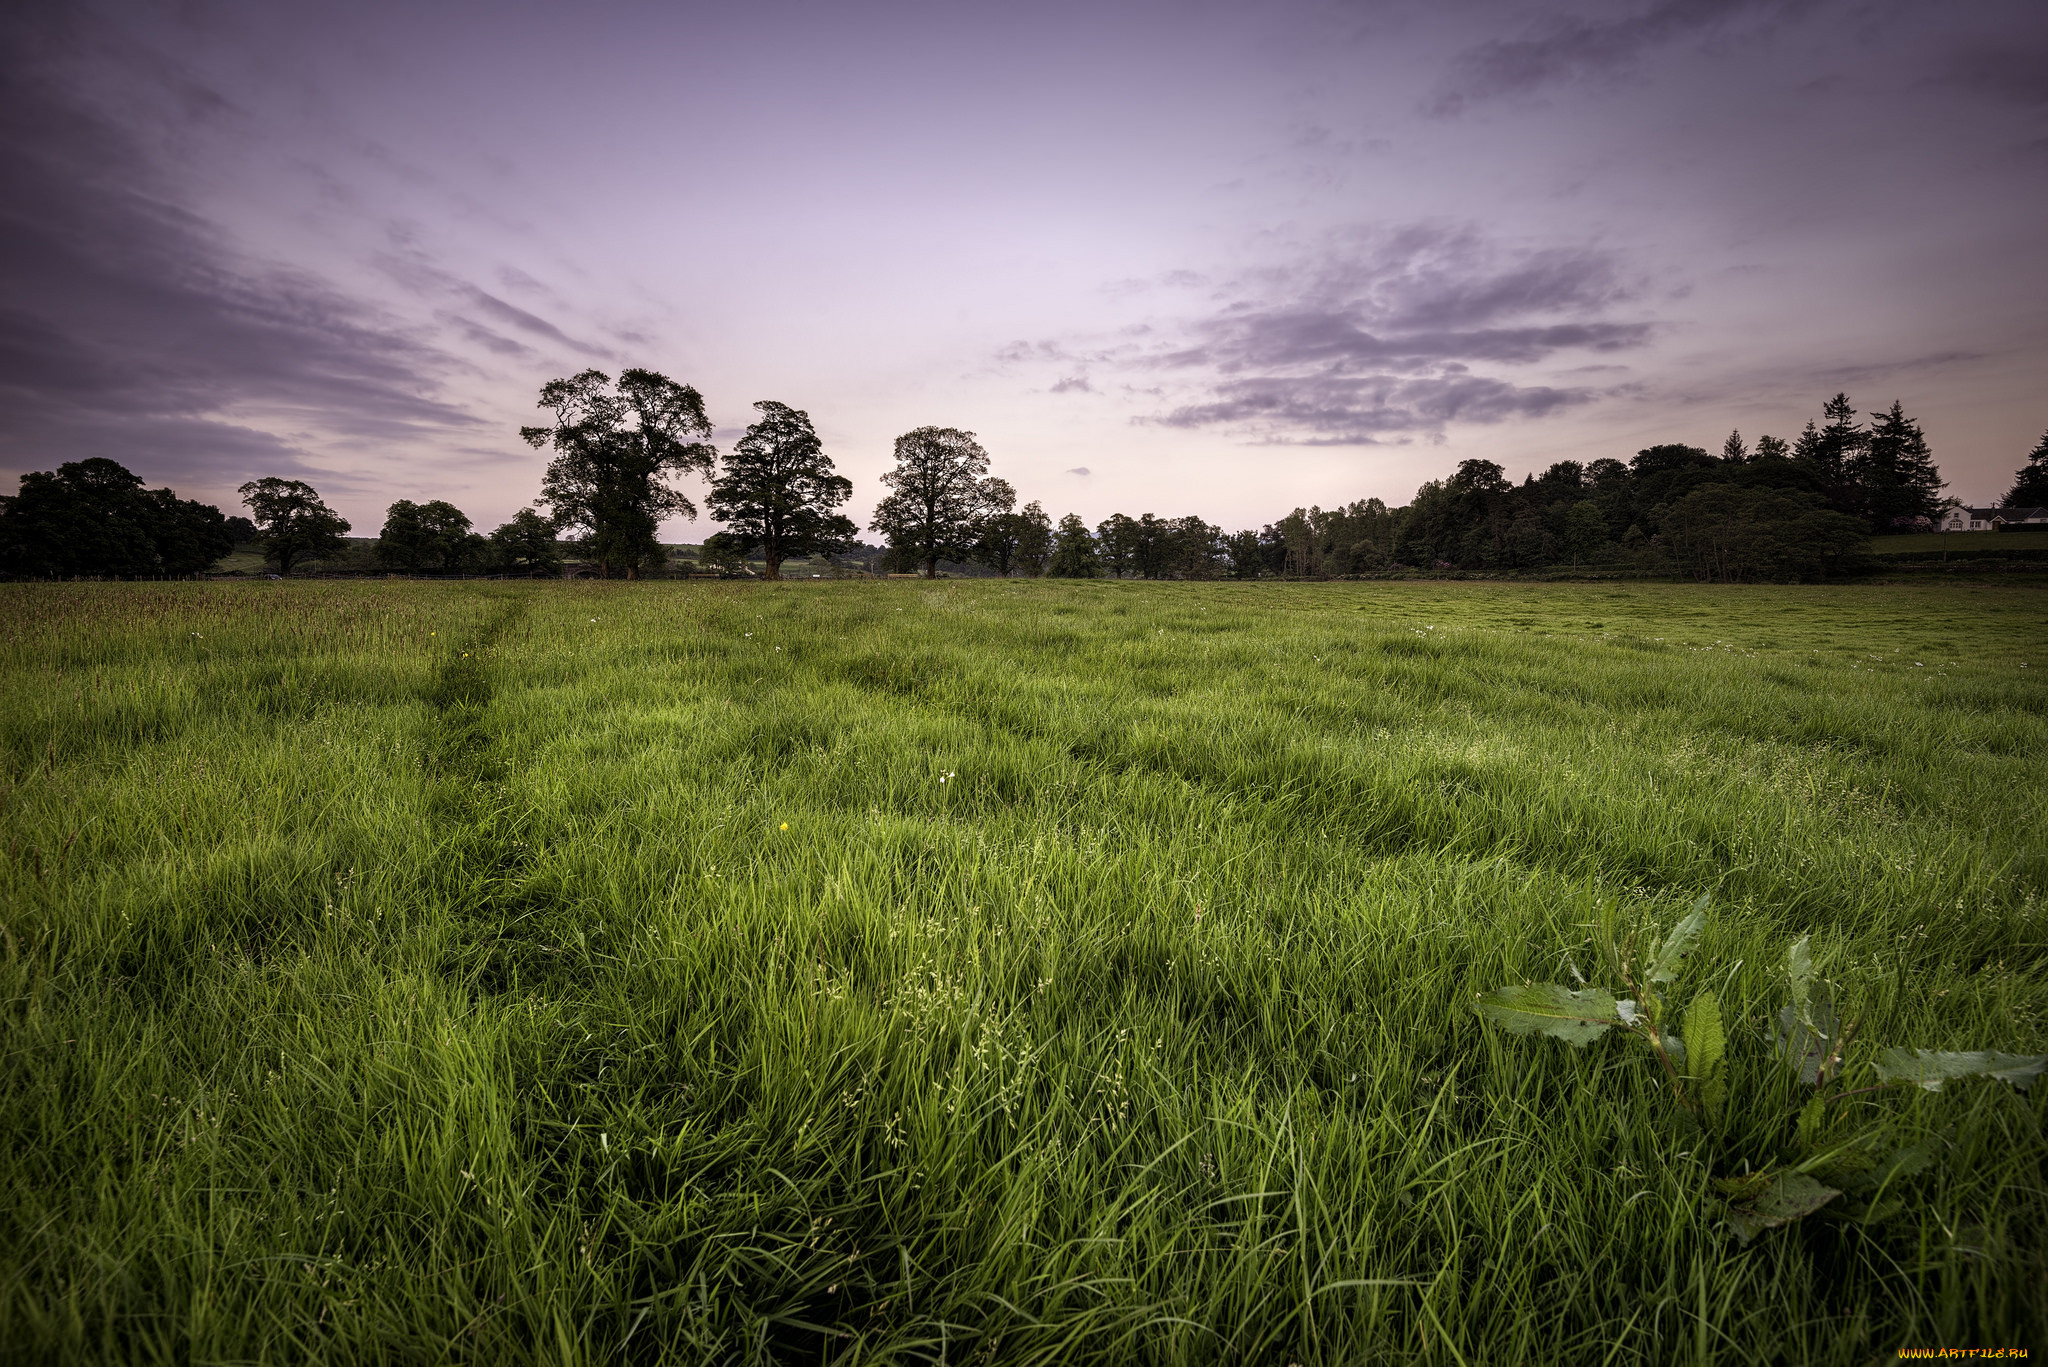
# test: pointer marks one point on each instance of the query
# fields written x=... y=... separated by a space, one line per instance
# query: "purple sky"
x=1166 y=257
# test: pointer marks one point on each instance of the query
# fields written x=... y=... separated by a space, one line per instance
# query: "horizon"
x=1165 y=257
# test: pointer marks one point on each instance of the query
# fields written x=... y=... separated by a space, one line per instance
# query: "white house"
x=1991 y=519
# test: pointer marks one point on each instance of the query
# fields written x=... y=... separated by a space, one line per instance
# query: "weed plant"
x=989 y=971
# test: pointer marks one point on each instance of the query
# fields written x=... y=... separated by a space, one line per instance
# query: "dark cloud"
x=1324 y=410
x=129 y=326
x=1568 y=47
x=1379 y=331
x=1074 y=384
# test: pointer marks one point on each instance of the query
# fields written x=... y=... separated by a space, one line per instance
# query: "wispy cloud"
x=1563 y=48
x=1374 y=333
x=131 y=327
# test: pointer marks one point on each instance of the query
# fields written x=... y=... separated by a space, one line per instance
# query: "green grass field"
x=988 y=971
x=1932 y=544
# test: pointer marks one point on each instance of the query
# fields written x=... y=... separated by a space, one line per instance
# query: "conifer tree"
x=1894 y=472
x=2030 y=485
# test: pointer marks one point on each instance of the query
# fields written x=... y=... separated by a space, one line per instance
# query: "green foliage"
x=432 y=538
x=1768 y=1187
x=778 y=489
x=1929 y=1069
x=1577 y=1018
x=292 y=523
x=939 y=496
x=1073 y=551
x=615 y=449
x=2030 y=484
x=1724 y=534
x=94 y=518
x=526 y=546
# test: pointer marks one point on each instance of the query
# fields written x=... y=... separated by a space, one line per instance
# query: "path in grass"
x=1057 y=972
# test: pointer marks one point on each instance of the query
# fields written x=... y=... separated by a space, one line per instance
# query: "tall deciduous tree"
x=939 y=494
x=615 y=449
x=2030 y=485
x=778 y=491
x=292 y=524
x=1894 y=473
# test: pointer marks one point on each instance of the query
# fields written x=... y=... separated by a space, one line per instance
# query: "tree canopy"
x=615 y=449
x=292 y=524
x=939 y=495
x=431 y=538
x=778 y=489
x=2030 y=485
x=94 y=518
x=526 y=546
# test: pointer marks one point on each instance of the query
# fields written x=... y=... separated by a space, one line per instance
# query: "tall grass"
x=984 y=971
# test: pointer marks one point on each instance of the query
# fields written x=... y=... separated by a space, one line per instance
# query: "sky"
x=1165 y=256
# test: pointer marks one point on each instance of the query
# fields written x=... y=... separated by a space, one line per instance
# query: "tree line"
x=1781 y=509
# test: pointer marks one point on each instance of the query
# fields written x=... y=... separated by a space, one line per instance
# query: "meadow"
x=988 y=971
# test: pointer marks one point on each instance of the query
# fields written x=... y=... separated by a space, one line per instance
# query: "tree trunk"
x=931 y=568
x=774 y=564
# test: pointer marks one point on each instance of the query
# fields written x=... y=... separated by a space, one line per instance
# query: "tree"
x=939 y=494
x=2030 y=485
x=93 y=518
x=1894 y=473
x=1073 y=550
x=998 y=532
x=292 y=524
x=1585 y=532
x=1034 y=539
x=526 y=546
x=241 y=529
x=778 y=491
x=190 y=536
x=1772 y=448
x=1117 y=539
x=1245 y=553
x=1732 y=450
x=614 y=450
x=433 y=537
x=1725 y=533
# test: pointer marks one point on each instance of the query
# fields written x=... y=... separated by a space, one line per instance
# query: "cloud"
x=130 y=327
x=1328 y=410
x=1074 y=384
x=1374 y=332
x=1570 y=48
x=1077 y=470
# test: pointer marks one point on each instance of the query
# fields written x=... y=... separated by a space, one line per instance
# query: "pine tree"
x=1732 y=450
x=2030 y=485
x=1894 y=473
x=1828 y=451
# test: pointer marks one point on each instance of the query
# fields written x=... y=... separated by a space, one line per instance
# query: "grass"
x=984 y=971
x=1935 y=543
